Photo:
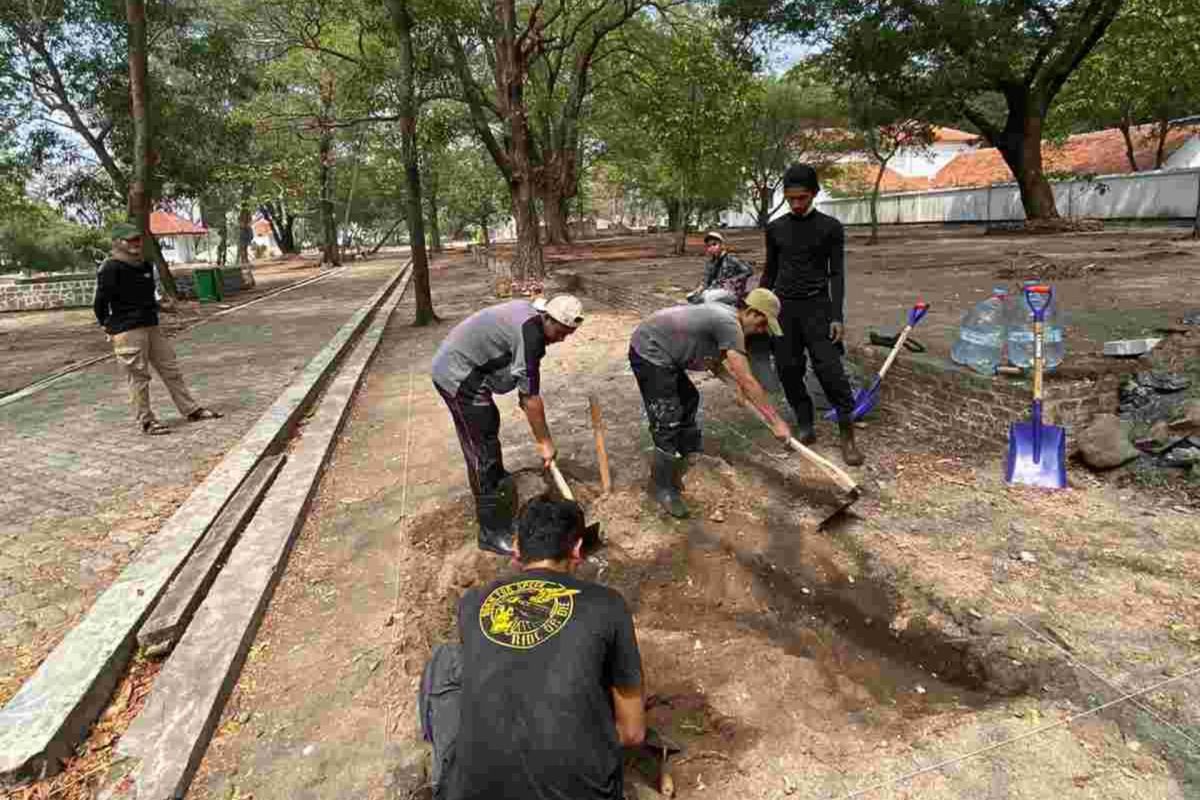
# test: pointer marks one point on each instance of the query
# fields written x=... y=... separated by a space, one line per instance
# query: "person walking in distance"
x=806 y=269
x=127 y=309
x=494 y=351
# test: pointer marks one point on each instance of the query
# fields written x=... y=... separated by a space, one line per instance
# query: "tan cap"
x=714 y=235
x=563 y=308
x=766 y=303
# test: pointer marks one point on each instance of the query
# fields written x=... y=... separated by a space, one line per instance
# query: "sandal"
x=203 y=413
x=155 y=428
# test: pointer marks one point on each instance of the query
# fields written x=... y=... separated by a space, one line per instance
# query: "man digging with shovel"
x=674 y=340
x=494 y=351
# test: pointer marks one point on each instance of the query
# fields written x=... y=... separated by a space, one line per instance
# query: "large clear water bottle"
x=980 y=343
x=1020 y=331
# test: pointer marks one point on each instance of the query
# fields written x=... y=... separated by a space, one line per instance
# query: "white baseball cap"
x=563 y=308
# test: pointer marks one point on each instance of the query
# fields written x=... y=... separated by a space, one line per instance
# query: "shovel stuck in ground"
x=592 y=541
x=1036 y=451
x=846 y=484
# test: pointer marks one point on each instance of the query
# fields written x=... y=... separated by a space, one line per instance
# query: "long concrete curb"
x=52 y=711
x=159 y=753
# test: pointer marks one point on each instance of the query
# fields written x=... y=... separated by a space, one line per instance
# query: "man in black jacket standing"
x=127 y=309
x=806 y=255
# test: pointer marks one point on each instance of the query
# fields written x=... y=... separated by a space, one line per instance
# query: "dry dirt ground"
x=34 y=344
x=948 y=615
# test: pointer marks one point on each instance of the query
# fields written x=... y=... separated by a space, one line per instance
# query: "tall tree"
x=403 y=23
x=139 y=99
x=797 y=118
x=496 y=48
x=969 y=52
x=1146 y=71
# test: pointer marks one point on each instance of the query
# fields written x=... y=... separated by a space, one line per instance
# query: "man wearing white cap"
x=494 y=351
x=695 y=337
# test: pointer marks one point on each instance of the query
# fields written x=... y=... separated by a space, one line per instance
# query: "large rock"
x=1187 y=423
x=1105 y=443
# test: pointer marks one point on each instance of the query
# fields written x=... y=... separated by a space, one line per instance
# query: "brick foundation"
x=956 y=402
x=946 y=399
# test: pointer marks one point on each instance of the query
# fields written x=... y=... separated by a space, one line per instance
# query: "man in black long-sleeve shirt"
x=806 y=270
x=125 y=306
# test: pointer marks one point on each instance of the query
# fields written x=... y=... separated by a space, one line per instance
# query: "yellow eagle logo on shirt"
x=525 y=613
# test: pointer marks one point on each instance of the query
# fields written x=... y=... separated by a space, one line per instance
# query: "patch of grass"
x=1122 y=323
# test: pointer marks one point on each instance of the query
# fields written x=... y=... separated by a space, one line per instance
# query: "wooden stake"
x=601 y=452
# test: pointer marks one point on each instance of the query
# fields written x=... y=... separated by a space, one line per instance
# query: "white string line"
x=974 y=753
x=1104 y=680
x=403 y=519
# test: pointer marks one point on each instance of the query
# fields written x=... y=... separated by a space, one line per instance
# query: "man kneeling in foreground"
x=546 y=687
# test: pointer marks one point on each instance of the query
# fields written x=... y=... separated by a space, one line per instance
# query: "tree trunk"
x=1196 y=223
x=764 y=195
x=512 y=71
x=1129 y=151
x=555 y=213
x=679 y=246
x=1021 y=146
x=245 y=226
x=407 y=106
x=1164 y=127
x=331 y=253
x=875 y=201
x=139 y=200
x=483 y=227
x=282 y=226
x=527 y=264
x=435 y=231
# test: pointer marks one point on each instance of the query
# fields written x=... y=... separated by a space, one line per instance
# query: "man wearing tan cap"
x=494 y=351
x=694 y=337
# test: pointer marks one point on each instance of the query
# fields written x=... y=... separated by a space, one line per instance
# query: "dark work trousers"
x=438 y=706
x=805 y=326
x=671 y=401
x=478 y=429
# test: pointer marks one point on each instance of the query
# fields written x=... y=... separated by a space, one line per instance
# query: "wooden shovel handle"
x=838 y=476
x=895 y=350
x=560 y=482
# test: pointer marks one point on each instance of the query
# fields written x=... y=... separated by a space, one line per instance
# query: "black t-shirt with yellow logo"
x=541 y=653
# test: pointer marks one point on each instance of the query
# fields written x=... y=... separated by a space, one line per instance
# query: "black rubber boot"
x=850 y=452
x=805 y=432
x=664 y=473
x=497 y=518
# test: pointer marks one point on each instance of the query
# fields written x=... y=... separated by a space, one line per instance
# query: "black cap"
x=800 y=176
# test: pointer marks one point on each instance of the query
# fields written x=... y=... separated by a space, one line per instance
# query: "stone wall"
x=57 y=291
x=76 y=290
x=941 y=396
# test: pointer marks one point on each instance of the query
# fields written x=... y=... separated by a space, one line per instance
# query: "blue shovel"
x=865 y=400
x=1037 y=452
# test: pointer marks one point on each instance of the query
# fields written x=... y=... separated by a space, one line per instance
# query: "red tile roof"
x=1096 y=153
x=164 y=223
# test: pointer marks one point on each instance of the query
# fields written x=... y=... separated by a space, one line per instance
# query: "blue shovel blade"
x=865 y=401
x=1046 y=468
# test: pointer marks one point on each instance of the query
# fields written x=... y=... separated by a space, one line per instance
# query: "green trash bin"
x=207 y=285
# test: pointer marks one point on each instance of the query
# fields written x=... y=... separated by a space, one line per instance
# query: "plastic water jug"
x=980 y=343
x=1020 y=332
